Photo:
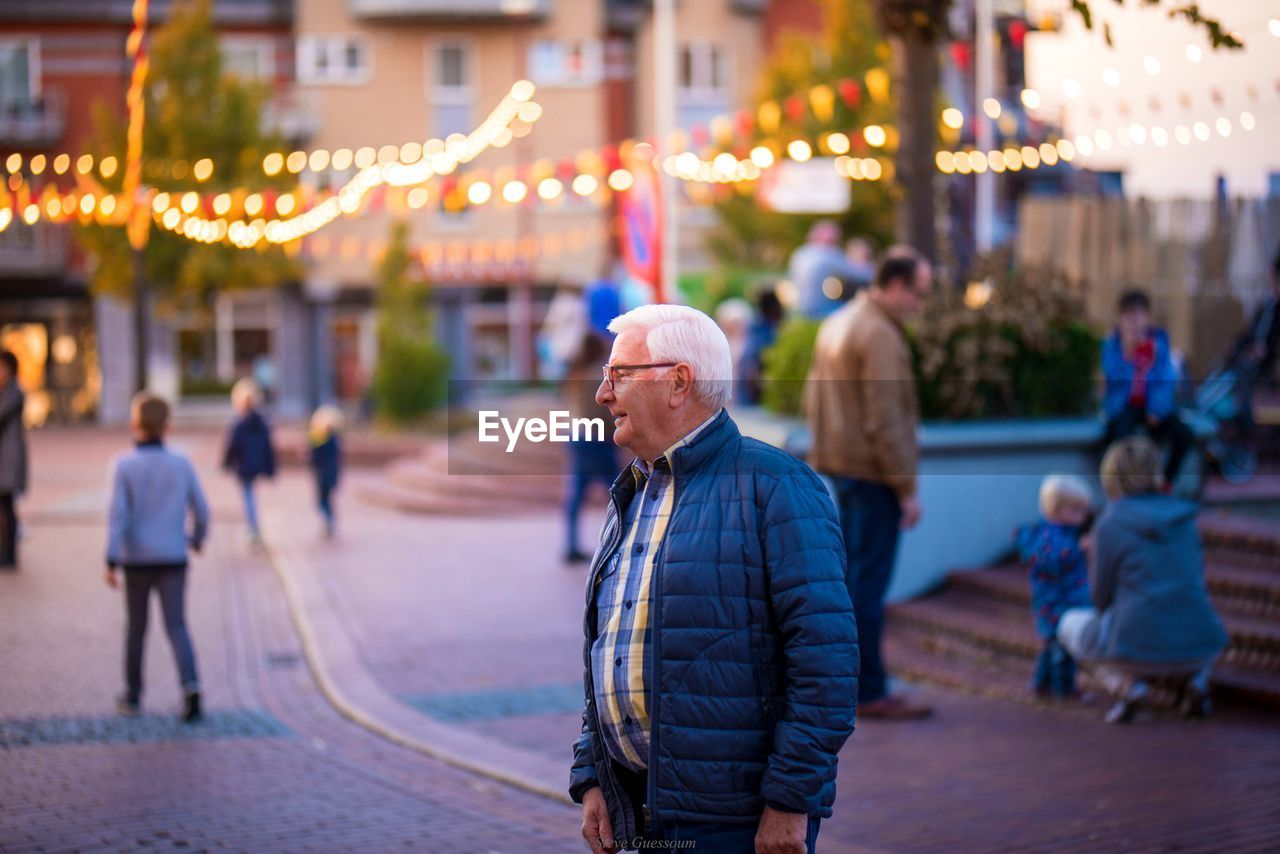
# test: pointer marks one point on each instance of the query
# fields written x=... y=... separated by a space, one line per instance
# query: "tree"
x=750 y=236
x=915 y=28
x=194 y=110
x=412 y=373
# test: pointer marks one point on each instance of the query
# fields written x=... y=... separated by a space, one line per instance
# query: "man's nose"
x=604 y=394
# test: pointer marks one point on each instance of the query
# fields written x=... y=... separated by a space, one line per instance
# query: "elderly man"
x=721 y=654
x=861 y=403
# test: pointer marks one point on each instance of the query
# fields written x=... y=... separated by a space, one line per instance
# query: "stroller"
x=1224 y=399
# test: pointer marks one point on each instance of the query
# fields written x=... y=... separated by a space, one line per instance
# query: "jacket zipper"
x=600 y=753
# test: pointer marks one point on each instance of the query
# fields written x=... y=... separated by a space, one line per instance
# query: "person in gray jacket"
x=153 y=490
x=1151 y=614
x=13 y=457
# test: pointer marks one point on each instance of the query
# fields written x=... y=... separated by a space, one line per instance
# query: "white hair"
x=1059 y=488
x=678 y=333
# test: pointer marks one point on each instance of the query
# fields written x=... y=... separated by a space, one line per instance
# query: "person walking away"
x=13 y=457
x=591 y=460
x=1050 y=550
x=720 y=652
x=1142 y=383
x=1151 y=614
x=860 y=400
x=154 y=492
x=249 y=454
x=326 y=460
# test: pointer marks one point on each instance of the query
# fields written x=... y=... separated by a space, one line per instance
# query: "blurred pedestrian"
x=761 y=335
x=591 y=459
x=1151 y=614
x=326 y=459
x=733 y=316
x=1050 y=550
x=154 y=492
x=860 y=399
x=13 y=457
x=720 y=643
x=1142 y=383
x=249 y=454
x=819 y=269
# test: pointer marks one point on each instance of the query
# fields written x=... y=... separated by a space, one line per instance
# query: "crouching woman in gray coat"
x=13 y=457
x=1151 y=614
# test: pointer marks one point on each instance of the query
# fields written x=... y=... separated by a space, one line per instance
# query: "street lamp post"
x=664 y=50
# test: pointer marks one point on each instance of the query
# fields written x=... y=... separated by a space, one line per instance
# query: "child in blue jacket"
x=1142 y=383
x=153 y=494
x=1050 y=549
x=249 y=454
x=326 y=459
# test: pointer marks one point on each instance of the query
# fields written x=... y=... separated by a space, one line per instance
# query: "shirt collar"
x=640 y=468
x=149 y=443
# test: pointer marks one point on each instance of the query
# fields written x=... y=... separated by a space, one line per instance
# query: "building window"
x=333 y=60
x=703 y=72
x=450 y=87
x=248 y=58
x=19 y=72
x=566 y=63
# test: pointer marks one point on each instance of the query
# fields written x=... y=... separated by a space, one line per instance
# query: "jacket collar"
x=880 y=311
x=690 y=457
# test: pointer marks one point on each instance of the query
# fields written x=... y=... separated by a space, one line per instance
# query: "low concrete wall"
x=978 y=482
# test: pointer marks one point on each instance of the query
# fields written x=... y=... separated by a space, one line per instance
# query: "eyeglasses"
x=610 y=371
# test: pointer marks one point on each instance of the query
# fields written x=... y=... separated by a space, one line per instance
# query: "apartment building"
x=394 y=71
x=59 y=60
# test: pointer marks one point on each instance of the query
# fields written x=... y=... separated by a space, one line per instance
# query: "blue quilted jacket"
x=755 y=653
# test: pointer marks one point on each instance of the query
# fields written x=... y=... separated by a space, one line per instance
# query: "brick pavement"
x=477 y=623
x=302 y=778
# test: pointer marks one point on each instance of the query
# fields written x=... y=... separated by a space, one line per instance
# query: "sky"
x=1154 y=84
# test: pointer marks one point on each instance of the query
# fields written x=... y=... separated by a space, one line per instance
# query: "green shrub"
x=412 y=374
x=411 y=377
x=1024 y=353
x=786 y=364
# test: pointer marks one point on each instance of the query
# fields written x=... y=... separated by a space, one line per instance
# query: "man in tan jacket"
x=861 y=403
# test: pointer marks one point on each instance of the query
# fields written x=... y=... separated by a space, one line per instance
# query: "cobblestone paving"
x=272 y=768
x=475 y=621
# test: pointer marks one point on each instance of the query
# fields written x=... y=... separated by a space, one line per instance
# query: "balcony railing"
x=34 y=123
x=33 y=250
x=451 y=10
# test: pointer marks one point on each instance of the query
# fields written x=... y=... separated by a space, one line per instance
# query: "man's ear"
x=681 y=385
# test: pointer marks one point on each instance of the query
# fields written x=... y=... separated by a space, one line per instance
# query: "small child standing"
x=152 y=492
x=1051 y=551
x=326 y=459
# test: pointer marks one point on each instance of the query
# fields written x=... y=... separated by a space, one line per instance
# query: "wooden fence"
x=1205 y=264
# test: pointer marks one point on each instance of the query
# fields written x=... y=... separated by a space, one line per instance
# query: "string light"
x=620 y=180
x=874 y=135
x=953 y=118
x=991 y=107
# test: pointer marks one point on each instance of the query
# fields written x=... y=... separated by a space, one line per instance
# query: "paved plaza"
x=415 y=683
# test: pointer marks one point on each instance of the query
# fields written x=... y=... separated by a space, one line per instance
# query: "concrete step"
x=1243 y=589
x=1003 y=625
x=1242 y=532
x=416 y=475
x=467 y=456
x=953 y=661
x=421 y=502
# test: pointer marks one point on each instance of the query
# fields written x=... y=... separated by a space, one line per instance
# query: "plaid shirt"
x=620 y=654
